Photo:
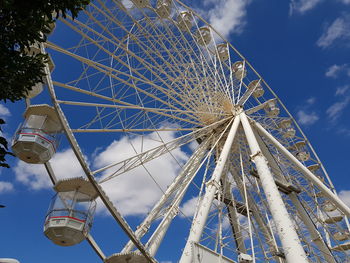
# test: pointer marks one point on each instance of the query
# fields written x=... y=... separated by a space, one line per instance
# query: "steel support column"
x=292 y=247
x=307 y=173
x=211 y=189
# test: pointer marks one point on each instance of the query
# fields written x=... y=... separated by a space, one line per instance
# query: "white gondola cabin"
x=164 y=8
x=328 y=206
x=222 y=51
x=314 y=168
x=238 y=69
x=300 y=151
x=258 y=89
x=37 y=139
x=287 y=129
x=203 y=36
x=131 y=257
x=271 y=108
x=184 y=21
x=341 y=236
x=35 y=49
x=333 y=219
x=71 y=212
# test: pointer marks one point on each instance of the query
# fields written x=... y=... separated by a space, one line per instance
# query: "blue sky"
x=301 y=48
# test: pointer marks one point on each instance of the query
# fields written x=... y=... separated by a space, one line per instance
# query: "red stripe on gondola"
x=40 y=137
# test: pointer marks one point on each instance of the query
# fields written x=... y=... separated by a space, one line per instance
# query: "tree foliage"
x=3 y=149
x=22 y=24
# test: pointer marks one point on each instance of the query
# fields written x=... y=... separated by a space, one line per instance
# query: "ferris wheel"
x=155 y=71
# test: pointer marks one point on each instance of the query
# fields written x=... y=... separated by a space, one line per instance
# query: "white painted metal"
x=201 y=254
x=292 y=247
x=308 y=174
x=256 y=214
x=117 y=216
x=233 y=217
x=162 y=63
x=212 y=186
x=89 y=237
x=315 y=235
x=182 y=180
x=8 y=260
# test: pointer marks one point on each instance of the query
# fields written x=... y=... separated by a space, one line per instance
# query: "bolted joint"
x=214 y=183
x=258 y=153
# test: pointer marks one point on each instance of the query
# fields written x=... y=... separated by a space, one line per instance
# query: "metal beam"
x=291 y=244
x=212 y=186
x=307 y=173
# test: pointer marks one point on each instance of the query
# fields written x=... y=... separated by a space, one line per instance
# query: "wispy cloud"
x=311 y=100
x=226 y=16
x=335 y=70
x=4 y=111
x=347 y=2
x=342 y=90
x=338 y=30
x=336 y=109
x=302 y=6
x=306 y=118
x=6 y=187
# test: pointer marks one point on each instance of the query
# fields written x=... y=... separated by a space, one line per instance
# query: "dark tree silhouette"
x=22 y=24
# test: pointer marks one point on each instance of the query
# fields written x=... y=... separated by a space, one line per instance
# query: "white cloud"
x=226 y=16
x=344 y=195
x=307 y=118
x=189 y=207
x=302 y=6
x=135 y=192
x=335 y=70
x=64 y=164
x=335 y=110
x=4 y=111
x=311 y=100
x=345 y=1
x=338 y=30
x=342 y=90
x=127 y=3
x=5 y=187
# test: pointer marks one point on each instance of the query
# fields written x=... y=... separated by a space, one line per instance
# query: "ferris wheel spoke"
x=153 y=68
x=159 y=111
x=247 y=94
x=119 y=79
x=130 y=130
x=157 y=40
x=181 y=42
x=156 y=152
x=151 y=95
